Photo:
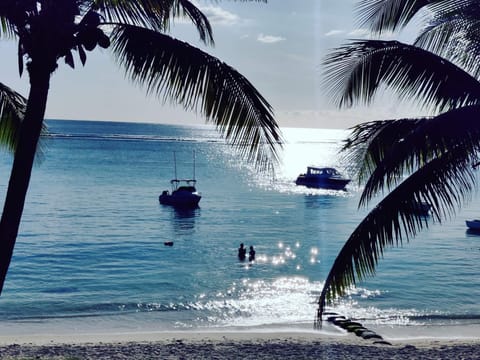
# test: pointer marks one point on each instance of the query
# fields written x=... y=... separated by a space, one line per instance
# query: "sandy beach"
x=230 y=345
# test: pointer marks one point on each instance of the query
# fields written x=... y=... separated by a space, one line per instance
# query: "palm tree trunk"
x=22 y=168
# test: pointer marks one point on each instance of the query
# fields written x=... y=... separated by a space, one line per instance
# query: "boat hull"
x=180 y=200
x=332 y=184
x=473 y=224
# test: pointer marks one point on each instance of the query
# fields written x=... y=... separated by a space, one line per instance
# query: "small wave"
x=446 y=317
x=128 y=137
x=104 y=309
x=60 y=290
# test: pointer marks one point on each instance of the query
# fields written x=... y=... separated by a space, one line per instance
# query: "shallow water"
x=91 y=251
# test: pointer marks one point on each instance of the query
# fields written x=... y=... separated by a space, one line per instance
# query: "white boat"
x=473 y=224
x=324 y=178
x=184 y=193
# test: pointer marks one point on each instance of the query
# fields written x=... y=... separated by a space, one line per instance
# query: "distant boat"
x=422 y=208
x=184 y=193
x=324 y=178
x=473 y=224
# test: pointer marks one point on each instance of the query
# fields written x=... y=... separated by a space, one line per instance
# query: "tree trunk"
x=22 y=167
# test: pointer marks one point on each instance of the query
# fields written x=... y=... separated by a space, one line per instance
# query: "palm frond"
x=154 y=14
x=437 y=36
x=8 y=9
x=391 y=14
x=12 y=110
x=427 y=140
x=197 y=17
x=453 y=34
x=468 y=59
x=7 y=29
x=356 y=71
x=200 y=82
x=367 y=144
x=444 y=182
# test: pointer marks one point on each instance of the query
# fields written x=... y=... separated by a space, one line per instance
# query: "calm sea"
x=91 y=253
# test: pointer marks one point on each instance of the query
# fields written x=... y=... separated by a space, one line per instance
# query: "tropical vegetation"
x=52 y=33
x=411 y=160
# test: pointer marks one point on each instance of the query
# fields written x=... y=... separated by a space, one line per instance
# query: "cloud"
x=360 y=33
x=270 y=39
x=367 y=34
x=334 y=32
x=217 y=15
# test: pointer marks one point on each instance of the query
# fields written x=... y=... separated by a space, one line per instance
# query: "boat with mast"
x=184 y=193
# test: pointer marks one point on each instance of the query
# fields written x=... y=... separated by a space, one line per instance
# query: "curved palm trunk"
x=22 y=168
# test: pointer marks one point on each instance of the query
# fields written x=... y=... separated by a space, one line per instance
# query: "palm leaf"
x=12 y=110
x=200 y=82
x=356 y=71
x=154 y=14
x=8 y=17
x=444 y=182
x=367 y=144
x=428 y=139
x=7 y=29
x=392 y=14
x=453 y=33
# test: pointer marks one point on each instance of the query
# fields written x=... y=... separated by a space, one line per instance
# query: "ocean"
x=91 y=256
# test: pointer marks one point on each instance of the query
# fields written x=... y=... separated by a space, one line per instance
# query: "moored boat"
x=473 y=224
x=324 y=178
x=184 y=193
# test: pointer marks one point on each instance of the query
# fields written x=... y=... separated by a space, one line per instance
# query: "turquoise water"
x=91 y=253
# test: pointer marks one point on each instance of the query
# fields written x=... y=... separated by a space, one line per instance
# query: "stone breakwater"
x=356 y=328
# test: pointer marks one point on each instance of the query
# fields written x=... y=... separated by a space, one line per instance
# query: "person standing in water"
x=251 y=254
x=242 y=252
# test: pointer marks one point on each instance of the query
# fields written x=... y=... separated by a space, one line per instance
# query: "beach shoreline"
x=231 y=345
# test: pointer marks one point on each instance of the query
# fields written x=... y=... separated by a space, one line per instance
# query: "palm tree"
x=439 y=72
x=136 y=31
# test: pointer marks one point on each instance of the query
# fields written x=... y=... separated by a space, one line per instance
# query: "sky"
x=279 y=46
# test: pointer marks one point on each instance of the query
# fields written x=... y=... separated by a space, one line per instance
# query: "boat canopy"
x=190 y=184
x=188 y=181
x=312 y=170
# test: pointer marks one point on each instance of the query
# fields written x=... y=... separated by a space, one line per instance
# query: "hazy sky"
x=278 y=46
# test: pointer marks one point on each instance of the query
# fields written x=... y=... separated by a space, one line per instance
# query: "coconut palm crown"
x=52 y=33
x=412 y=160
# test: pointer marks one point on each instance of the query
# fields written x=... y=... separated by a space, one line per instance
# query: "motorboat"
x=183 y=193
x=473 y=224
x=322 y=177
